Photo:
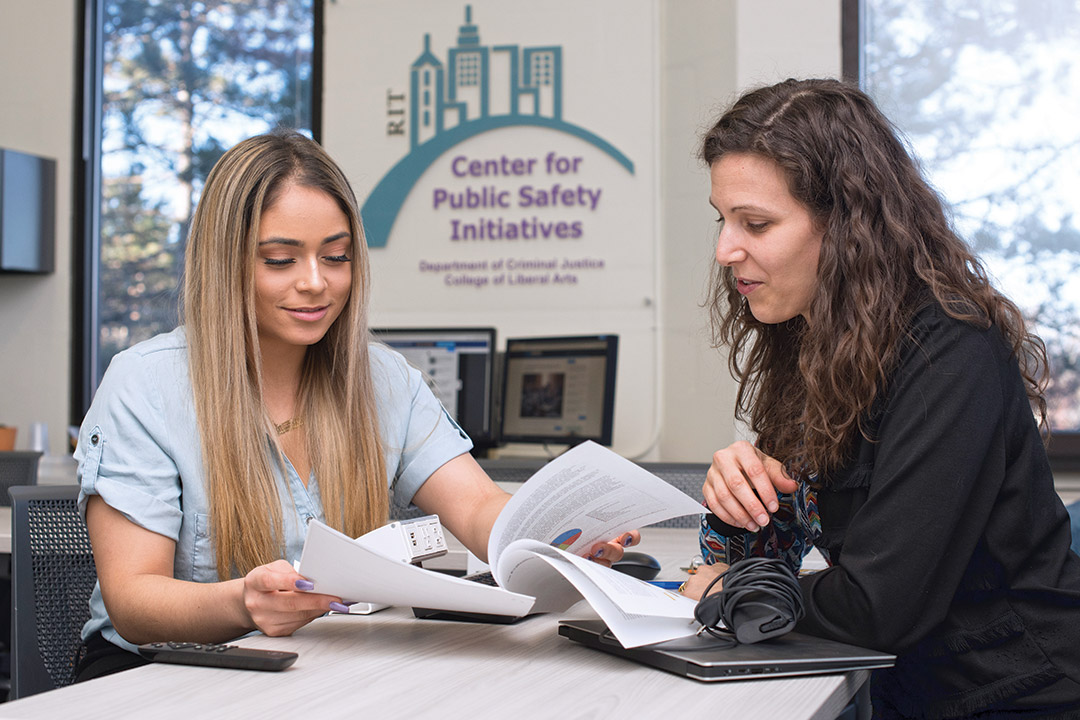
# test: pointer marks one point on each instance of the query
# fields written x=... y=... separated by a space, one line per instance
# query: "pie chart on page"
x=568 y=538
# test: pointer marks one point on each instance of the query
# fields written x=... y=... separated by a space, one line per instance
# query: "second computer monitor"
x=559 y=389
x=458 y=364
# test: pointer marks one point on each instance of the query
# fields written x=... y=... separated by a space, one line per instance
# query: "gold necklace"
x=290 y=424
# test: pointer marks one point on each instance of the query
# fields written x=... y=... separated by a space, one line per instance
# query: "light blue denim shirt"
x=139 y=449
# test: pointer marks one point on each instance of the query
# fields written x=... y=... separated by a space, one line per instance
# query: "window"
x=541 y=68
x=988 y=94
x=170 y=86
x=468 y=69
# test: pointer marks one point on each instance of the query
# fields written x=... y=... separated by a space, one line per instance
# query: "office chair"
x=688 y=477
x=511 y=470
x=17 y=468
x=404 y=512
x=53 y=575
x=504 y=470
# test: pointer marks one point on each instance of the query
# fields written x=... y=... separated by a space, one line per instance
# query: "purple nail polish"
x=338 y=607
x=305 y=585
x=599 y=553
x=627 y=540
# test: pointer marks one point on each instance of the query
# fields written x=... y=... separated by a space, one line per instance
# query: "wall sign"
x=504 y=155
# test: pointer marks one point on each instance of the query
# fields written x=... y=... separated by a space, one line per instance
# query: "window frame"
x=87 y=192
x=1063 y=447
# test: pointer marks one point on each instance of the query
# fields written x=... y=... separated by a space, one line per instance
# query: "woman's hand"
x=608 y=552
x=468 y=502
x=695 y=585
x=275 y=599
x=742 y=483
x=147 y=604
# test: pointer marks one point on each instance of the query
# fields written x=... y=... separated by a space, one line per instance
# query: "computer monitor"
x=459 y=367
x=559 y=389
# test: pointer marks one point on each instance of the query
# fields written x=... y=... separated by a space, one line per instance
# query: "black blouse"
x=949 y=545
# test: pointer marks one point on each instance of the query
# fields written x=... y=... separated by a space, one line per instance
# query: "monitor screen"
x=27 y=212
x=458 y=365
x=559 y=389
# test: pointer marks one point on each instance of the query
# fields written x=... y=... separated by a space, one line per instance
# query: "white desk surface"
x=391 y=665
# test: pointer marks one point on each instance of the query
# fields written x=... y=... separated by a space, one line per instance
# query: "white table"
x=391 y=665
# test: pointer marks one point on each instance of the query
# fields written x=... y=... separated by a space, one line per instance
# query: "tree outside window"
x=988 y=94
x=181 y=82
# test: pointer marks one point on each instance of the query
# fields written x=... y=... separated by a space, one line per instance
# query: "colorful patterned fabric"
x=794 y=529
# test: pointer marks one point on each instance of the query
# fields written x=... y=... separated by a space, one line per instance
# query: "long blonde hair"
x=337 y=399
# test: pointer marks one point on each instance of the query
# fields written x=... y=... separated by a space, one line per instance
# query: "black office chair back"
x=17 y=468
x=53 y=575
x=688 y=477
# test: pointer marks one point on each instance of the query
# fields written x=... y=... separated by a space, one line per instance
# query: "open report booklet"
x=587 y=495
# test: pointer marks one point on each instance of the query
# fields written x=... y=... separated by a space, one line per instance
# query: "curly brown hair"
x=805 y=386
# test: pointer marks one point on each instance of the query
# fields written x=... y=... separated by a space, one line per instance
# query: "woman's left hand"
x=608 y=552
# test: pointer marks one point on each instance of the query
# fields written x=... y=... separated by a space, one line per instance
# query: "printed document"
x=587 y=495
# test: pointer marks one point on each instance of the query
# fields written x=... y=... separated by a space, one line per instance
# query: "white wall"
x=37 y=114
x=710 y=52
x=609 y=84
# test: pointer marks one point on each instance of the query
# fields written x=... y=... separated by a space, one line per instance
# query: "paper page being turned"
x=339 y=565
x=586 y=495
x=635 y=612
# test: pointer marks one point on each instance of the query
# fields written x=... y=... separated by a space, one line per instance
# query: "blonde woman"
x=208 y=449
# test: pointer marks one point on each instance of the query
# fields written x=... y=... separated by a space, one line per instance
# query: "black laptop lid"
x=704 y=657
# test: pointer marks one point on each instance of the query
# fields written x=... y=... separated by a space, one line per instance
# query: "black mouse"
x=637 y=564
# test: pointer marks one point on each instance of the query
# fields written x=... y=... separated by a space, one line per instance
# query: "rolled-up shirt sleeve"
x=123 y=450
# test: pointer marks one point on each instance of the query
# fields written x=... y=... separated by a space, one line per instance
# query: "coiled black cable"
x=761 y=598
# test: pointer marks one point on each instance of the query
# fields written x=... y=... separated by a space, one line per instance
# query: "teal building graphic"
x=477 y=89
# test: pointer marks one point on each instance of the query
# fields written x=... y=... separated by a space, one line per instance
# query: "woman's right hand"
x=742 y=484
x=276 y=600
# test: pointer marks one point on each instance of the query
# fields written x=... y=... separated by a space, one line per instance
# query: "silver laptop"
x=705 y=657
